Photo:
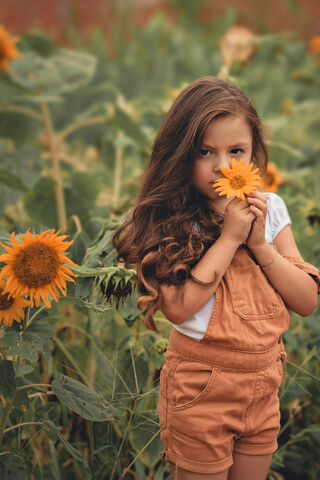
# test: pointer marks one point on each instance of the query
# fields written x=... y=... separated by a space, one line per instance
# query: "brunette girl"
x=225 y=272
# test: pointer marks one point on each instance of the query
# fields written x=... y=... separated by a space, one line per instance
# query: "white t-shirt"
x=277 y=218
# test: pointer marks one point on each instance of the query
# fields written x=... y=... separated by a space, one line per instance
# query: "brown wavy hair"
x=158 y=236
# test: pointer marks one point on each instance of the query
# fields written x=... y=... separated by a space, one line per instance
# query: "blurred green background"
x=79 y=110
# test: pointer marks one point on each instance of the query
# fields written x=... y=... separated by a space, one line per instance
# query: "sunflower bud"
x=236 y=46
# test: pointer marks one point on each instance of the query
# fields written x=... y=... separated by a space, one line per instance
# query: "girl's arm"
x=296 y=287
x=179 y=304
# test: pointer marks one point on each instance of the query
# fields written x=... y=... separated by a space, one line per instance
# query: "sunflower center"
x=5 y=301
x=238 y=181
x=36 y=265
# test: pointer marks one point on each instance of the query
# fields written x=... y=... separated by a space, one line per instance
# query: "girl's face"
x=226 y=137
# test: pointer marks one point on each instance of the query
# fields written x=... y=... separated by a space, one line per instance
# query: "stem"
x=139 y=453
x=23 y=387
x=26 y=318
x=21 y=425
x=61 y=209
x=23 y=110
x=117 y=174
x=72 y=361
x=36 y=314
x=80 y=124
x=3 y=353
x=24 y=324
x=77 y=223
x=91 y=438
x=5 y=412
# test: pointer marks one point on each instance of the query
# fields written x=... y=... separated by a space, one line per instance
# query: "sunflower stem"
x=117 y=173
x=21 y=425
x=77 y=223
x=61 y=209
x=24 y=110
x=25 y=321
x=31 y=385
x=36 y=314
x=80 y=124
x=4 y=415
x=3 y=353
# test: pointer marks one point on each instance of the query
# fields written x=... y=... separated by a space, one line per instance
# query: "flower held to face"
x=35 y=267
x=240 y=179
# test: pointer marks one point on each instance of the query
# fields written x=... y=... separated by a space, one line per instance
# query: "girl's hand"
x=258 y=205
x=238 y=218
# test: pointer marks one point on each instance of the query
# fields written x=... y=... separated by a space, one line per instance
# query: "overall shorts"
x=219 y=395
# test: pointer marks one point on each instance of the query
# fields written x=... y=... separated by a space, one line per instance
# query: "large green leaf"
x=80 y=192
x=76 y=455
x=12 y=467
x=85 y=402
x=20 y=168
x=7 y=379
x=64 y=71
x=12 y=180
x=75 y=68
x=29 y=343
x=145 y=437
x=85 y=306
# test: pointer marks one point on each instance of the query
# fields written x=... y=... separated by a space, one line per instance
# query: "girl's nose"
x=223 y=161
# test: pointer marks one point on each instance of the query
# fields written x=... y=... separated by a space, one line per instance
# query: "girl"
x=209 y=263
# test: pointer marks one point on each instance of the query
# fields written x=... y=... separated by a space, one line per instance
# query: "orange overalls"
x=219 y=395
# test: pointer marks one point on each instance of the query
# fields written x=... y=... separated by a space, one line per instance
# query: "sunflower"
x=272 y=179
x=8 y=49
x=240 y=179
x=315 y=44
x=11 y=308
x=35 y=267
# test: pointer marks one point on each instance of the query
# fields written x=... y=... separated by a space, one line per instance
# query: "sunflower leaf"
x=12 y=180
x=29 y=343
x=8 y=379
x=84 y=306
x=12 y=467
x=85 y=402
x=70 y=449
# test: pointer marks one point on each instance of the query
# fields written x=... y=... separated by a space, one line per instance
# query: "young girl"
x=225 y=272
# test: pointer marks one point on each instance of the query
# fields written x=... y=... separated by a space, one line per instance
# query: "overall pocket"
x=191 y=382
x=252 y=295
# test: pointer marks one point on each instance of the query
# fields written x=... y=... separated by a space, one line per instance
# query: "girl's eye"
x=204 y=152
x=236 y=151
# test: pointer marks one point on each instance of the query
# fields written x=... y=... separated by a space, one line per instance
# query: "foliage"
x=79 y=382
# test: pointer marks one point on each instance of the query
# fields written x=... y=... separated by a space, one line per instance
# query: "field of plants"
x=79 y=372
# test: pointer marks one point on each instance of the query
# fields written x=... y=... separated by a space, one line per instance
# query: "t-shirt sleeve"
x=278 y=214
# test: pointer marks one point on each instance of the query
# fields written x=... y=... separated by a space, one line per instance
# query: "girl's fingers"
x=257 y=203
x=256 y=211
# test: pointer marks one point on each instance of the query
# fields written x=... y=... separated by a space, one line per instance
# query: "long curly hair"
x=158 y=236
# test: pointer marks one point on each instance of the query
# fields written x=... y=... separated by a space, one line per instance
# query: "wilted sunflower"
x=272 y=178
x=35 y=267
x=240 y=179
x=11 y=308
x=8 y=49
